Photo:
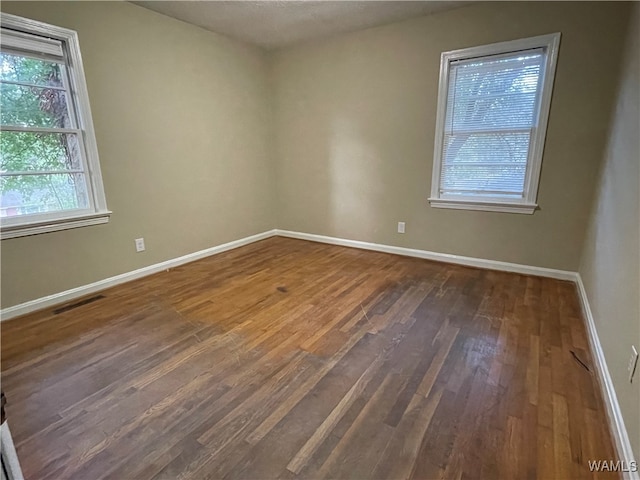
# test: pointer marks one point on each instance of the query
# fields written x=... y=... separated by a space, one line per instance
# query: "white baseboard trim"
x=616 y=422
x=438 y=257
x=614 y=414
x=67 y=295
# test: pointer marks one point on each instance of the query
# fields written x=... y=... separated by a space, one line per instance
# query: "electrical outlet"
x=400 y=227
x=633 y=363
x=139 y=244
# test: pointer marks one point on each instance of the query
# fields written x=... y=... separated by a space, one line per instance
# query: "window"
x=49 y=170
x=493 y=106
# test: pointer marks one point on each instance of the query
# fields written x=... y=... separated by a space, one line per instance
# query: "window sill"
x=485 y=206
x=47 y=226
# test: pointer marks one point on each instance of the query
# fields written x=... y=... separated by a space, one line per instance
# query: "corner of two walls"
x=355 y=124
x=181 y=118
x=355 y=117
x=335 y=137
x=274 y=150
x=610 y=259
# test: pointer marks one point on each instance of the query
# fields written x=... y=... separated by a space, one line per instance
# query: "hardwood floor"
x=292 y=359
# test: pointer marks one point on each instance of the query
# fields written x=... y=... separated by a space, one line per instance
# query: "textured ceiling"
x=274 y=24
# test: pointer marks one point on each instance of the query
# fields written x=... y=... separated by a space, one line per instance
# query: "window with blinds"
x=49 y=170
x=492 y=116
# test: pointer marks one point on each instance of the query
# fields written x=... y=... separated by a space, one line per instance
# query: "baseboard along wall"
x=67 y=295
x=614 y=414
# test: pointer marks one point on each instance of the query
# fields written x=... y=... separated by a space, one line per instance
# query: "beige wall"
x=186 y=121
x=203 y=140
x=610 y=266
x=181 y=117
x=355 y=118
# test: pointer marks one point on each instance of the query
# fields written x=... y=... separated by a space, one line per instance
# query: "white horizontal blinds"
x=491 y=114
x=28 y=44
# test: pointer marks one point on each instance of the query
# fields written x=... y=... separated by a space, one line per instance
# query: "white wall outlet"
x=400 y=227
x=633 y=363
x=139 y=244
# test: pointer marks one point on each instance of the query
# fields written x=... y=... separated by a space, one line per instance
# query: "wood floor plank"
x=403 y=448
x=293 y=359
x=309 y=448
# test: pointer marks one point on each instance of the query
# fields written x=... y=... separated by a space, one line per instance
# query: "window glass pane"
x=30 y=194
x=493 y=147
x=16 y=68
x=492 y=112
x=30 y=151
x=47 y=143
x=494 y=162
x=493 y=93
x=490 y=180
x=491 y=115
x=28 y=106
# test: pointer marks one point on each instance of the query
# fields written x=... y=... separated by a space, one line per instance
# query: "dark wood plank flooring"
x=292 y=359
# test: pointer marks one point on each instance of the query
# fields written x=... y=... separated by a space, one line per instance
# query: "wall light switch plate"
x=139 y=244
x=400 y=227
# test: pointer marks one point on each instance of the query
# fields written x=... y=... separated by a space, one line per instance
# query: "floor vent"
x=66 y=308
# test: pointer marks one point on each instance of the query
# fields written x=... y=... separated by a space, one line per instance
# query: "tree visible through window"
x=41 y=170
x=47 y=173
x=491 y=121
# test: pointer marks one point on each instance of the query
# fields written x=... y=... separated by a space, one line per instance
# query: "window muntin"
x=492 y=115
x=49 y=170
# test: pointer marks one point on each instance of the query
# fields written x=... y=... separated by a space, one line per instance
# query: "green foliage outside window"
x=32 y=95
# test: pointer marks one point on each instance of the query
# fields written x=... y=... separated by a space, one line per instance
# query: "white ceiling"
x=273 y=24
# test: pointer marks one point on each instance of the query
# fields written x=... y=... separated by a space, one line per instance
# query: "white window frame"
x=528 y=203
x=97 y=211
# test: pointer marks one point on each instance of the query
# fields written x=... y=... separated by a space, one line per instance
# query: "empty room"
x=320 y=239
